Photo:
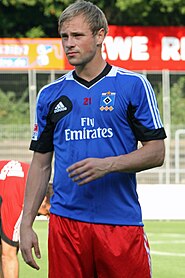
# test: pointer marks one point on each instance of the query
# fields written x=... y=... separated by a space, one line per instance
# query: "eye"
x=77 y=35
x=64 y=36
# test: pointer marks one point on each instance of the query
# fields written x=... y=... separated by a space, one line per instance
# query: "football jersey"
x=104 y=117
x=13 y=175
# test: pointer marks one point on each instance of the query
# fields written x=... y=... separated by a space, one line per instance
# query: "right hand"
x=29 y=240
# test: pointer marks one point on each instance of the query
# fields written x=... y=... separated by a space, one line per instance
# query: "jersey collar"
x=86 y=83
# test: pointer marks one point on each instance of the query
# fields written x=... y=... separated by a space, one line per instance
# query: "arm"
x=36 y=187
x=150 y=155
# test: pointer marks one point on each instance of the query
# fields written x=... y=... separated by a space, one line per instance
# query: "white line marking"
x=167 y=242
x=167 y=254
x=166 y=235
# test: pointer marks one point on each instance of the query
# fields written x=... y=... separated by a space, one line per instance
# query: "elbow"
x=159 y=153
x=160 y=158
x=160 y=163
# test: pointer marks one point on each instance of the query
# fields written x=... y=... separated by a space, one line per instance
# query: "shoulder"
x=127 y=75
x=52 y=88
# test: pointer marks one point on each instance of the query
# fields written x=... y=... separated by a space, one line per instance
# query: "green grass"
x=167 y=243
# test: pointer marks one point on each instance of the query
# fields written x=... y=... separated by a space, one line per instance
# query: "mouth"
x=71 y=53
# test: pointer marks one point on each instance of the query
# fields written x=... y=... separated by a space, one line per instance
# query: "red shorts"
x=13 y=176
x=83 y=250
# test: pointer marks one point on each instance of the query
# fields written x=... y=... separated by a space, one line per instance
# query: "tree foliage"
x=177 y=98
x=13 y=110
x=38 y=18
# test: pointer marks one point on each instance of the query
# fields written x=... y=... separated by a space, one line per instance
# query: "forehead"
x=75 y=24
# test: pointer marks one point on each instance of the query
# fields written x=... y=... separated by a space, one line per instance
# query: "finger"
x=82 y=176
x=37 y=250
x=28 y=258
x=76 y=165
x=33 y=264
x=85 y=181
x=80 y=171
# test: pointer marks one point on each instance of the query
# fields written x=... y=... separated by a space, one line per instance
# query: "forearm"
x=150 y=155
x=36 y=187
x=144 y=158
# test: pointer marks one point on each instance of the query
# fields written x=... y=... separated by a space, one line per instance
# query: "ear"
x=100 y=36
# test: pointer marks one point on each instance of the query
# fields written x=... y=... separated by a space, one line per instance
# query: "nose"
x=70 y=42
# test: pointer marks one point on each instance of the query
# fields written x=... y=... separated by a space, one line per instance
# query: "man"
x=92 y=119
x=13 y=175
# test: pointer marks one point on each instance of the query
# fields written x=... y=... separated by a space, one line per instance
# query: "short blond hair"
x=94 y=16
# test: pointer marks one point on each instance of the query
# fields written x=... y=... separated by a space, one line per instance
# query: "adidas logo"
x=60 y=107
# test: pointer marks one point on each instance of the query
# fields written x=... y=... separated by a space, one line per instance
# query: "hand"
x=89 y=169
x=29 y=240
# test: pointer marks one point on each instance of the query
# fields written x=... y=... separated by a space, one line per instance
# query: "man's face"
x=79 y=44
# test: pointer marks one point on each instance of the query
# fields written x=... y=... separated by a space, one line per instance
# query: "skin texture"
x=37 y=182
x=9 y=267
x=83 y=50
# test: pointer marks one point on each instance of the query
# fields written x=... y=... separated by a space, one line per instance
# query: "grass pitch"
x=167 y=244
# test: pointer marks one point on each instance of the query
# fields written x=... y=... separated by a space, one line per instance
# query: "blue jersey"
x=104 y=117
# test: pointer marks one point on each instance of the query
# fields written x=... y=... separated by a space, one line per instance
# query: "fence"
x=15 y=139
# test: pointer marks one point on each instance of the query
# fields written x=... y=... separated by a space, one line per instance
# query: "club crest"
x=107 y=101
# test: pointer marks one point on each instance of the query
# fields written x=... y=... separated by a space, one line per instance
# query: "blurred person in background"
x=92 y=119
x=13 y=176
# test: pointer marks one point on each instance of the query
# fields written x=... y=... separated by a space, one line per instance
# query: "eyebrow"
x=72 y=34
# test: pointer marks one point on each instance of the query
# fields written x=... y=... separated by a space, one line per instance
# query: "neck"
x=91 y=70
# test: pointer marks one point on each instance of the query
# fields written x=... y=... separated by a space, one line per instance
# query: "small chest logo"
x=60 y=107
x=107 y=101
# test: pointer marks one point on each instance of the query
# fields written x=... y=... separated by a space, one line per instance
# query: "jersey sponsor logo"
x=60 y=107
x=88 y=131
x=107 y=101
x=11 y=169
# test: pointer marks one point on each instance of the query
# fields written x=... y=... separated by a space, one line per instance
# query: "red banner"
x=134 y=48
x=145 y=48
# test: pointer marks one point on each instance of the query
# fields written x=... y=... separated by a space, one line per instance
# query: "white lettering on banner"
x=118 y=48
x=13 y=62
x=14 y=49
x=140 y=48
x=183 y=48
x=170 y=49
x=173 y=48
x=124 y=48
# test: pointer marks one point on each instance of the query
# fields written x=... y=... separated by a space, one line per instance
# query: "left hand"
x=88 y=169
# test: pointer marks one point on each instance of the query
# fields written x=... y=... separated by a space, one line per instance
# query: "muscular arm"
x=150 y=155
x=37 y=182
